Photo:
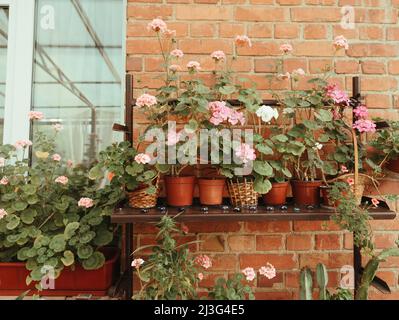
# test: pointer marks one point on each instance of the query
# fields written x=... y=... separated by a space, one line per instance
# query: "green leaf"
x=68 y=259
x=227 y=90
x=263 y=168
x=70 y=229
x=263 y=148
x=96 y=173
x=324 y=115
x=262 y=185
x=19 y=206
x=57 y=243
x=103 y=237
x=13 y=222
x=191 y=126
x=29 y=189
x=28 y=216
x=95 y=262
x=280 y=138
x=85 y=251
x=134 y=169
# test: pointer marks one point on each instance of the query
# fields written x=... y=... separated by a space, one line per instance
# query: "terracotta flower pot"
x=306 y=192
x=71 y=282
x=211 y=191
x=277 y=195
x=393 y=165
x=179 y=190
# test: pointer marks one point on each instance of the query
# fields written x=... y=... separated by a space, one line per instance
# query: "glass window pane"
x=3 y=64
x=78 y=72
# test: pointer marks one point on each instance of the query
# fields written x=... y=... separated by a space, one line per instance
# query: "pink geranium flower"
x=243 y=41
x=36 y=115
x=268 y=271
x=203 y=261
x=56 y=157
x=298 y=72
x=157 y=25
x=177 y=53
x=336 y=94
x=174 y=68
x=200 y=276
x=350 y=181
x=194 y=66
x=3 y=213
x=340 y=42
x=344 y=169
x=246 y=153
x=146 y=100
x=286 y=48
x=361 y=112
x=4 y=181
x=236 y=117
x=375 y=202
x=218 y=55
x=363 y=125
x=142 y=158
x=70 y=163
x=62 y=179
x=136 y=263
x=249 y=273
x=86 y=203
x=22 y=144
x=173 y=138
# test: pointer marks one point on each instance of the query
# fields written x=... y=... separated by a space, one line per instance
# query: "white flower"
x=268 y=271
x=3 y=213
x=288 y=110
x=267 y=113
x=249 y=273
x=298 y=72
x=136 y=263
x=318 y=146
x=58 y=127
x=2 y=162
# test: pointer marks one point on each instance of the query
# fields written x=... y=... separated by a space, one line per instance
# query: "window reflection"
x=78 y=67
x=3 y=65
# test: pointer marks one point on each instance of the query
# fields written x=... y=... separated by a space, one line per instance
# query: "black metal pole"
x=128 y=260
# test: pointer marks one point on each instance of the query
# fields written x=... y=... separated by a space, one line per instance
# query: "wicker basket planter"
x=242 y=193
x=140 y=199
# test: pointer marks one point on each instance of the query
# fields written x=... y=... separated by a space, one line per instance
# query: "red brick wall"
x=203 y=26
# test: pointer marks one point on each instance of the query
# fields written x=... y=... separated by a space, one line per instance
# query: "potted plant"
x=130 y=170
x=54 y=222
x=386 y=144
x=173 y=272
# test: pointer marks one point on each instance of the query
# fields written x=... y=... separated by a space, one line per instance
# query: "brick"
x=268 y=226
x=315 y=226
x=321 y=2
x=201 y=227
x=393 y=67
x=315 y=14
x=203 y=12
x=286 y=31
x=385 y=240
x=224 y=262
x=260 y=14
x=241 y=243
x=383 y=50
x=209 y=279
x=389 y=277
x=205 y=46
x=260 y=49
x=277 y=281
x=279 y=261
x=202 y=30
x=373 y=67
x=291 y=64
x=149 y=12
x=347 y=33
x=261 y=1
x=378 y=101
x=276 y=295
x=134 y=64
x=153 y=64
x=260 y=30
x=212 y=242
x=314 y=49
x=327 y=241
x=378 y=84
x=231 y=29
x=269 y=242
x=299 y=242
x=371 y=33
x=292 y=279
x=266 y=65
x=347 y=66
x=318 y=65
x=139 y=46
x=315 y=31
x=393 y=34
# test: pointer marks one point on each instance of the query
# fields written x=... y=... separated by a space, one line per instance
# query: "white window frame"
x=19 y=69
